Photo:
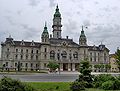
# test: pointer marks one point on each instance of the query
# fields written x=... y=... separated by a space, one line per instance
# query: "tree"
x=53 y=66
x=101 y=66
x=107 y=67
x=85 y=78
x=85 y=70
x=117 y=57
x=97 y=67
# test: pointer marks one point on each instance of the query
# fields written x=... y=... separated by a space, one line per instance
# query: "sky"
x=25 y=20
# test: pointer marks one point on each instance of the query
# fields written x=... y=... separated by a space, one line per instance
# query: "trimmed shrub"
x=117 y=84
x=77 y=86
x=100 y=79
x=8 y=84
x=108 y=85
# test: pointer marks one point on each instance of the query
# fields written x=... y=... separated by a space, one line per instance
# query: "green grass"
x=50 y=86
x=56 y=86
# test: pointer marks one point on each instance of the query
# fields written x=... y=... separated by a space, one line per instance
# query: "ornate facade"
x=36 y=55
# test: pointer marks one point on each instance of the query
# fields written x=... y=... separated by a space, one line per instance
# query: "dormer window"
x=32 y=43
x=22 y=42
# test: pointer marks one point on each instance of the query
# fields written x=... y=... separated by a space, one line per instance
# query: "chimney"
x=66 y=37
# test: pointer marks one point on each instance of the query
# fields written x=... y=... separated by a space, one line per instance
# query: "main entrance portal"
x=65 y=66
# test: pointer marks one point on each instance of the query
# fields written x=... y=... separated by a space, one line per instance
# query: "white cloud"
x=25 y=19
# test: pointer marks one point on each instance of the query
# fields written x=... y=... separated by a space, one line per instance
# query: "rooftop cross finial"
x=82 y=28
x=9 y=36
x=45 y=24
x=57 y=6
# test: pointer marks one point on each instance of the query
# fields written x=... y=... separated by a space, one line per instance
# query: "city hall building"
x=36 y=55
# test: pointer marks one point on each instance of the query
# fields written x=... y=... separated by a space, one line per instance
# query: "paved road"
x=54 y=77
x=44 y=77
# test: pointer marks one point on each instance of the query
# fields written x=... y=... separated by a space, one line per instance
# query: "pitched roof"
x=27 y=44
x=63 y=41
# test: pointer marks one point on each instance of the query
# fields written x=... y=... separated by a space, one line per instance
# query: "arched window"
x=52 y=54
x=64 y=54
x=75 y=55
x=105 y=57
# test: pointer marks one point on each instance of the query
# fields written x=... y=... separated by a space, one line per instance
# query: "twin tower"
x=57 y=30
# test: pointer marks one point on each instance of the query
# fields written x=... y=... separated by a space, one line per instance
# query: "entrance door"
x=65 y=67
x=77 y=66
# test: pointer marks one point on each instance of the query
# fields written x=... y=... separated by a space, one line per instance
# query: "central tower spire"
x=57 y=24
x=82 y=39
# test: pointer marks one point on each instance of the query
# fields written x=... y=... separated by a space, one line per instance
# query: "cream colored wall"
x=113 y=63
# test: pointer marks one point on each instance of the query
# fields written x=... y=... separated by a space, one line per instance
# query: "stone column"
x=61 y=66
x=69 y=67
x=73 y=67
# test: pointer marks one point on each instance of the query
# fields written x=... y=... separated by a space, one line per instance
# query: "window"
x=36 y=51
x=45 y=65
x=45 y=40
x=16 y=50
x=52 y=54
x=6 y=64
x=45 y=50
x=26 y=64
x=105 y=57
x=31 y=64
x=36 y=57
x=26 y=56
x=70 y=56
x=98 y=57
x=75 y=55
x=31 y=51
x=26 y=50
x=7 y=56
x=16 y=56
x=15 y=64
x=21 y=64
x=36 y=65
x=64 y=54
x=21 y=50
x=31 y=56
x=8 y=50
x=91 y=56
x=21 y=57
x=57 y=35
x=94 y=56
x=45 y=56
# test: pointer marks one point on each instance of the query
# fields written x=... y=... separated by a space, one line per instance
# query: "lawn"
x=56 y=86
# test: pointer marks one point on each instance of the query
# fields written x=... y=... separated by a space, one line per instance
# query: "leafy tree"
x=117 y=57
x=107 y=67
x=85 y=78
x=97 y=67
x=100 y=79
x=85 y=70
x=53 y=66
x=101 y=67
x=8 y=84
x=107 y=82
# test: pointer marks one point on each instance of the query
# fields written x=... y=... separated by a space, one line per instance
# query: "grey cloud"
x=86 y=23
x=104 y=34
x=9 y=19
x=29 y=31
x=19 y=12
x=96 y=2
x=71 y=30
x=52 y=3
x=34 y=2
